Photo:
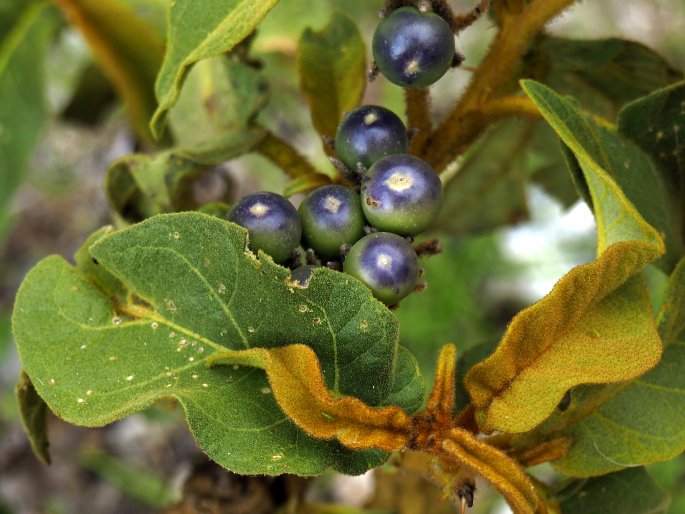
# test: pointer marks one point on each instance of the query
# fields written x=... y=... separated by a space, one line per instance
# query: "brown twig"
x=496 y=72
x=418 y=116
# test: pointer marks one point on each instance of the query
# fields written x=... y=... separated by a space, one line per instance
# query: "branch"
x=418 y=117
x=497 y=70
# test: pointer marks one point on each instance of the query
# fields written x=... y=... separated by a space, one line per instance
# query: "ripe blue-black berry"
x=331 y=216
x=369 y=133
x=401 y=194
x=272 y=222
x=386 y=263
x=413 y=48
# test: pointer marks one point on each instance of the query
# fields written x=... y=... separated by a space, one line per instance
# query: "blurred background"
x=495 y=261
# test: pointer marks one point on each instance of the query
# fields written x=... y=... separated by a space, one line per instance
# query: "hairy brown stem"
x=285 y=156
x=418 y=116
x=498 y=69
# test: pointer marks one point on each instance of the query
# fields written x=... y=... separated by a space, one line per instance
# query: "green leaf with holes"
x=195 y=290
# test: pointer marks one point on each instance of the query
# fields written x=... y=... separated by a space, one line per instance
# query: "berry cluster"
x=367 y=229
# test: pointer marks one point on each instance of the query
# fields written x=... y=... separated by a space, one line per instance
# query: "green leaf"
x=196 y=291
x=631 y=168
x=631 y=491
x=198 y=30
x=602 y=74
x=212 y=122
x=672 y=315
x=216 y=109
x=23 y=109
x=596 y=326
x=127 y=48
x=139 y=186
x=34 y=417
x=332 y=68
x=655 y=123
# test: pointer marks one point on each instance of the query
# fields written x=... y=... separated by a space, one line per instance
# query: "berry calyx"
x=369 y=133
x=386 y=263
x=401 y=194
x=272 y=222
x=413 y=48
x=331 y=217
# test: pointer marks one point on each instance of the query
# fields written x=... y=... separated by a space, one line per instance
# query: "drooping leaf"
x=631 y=491
x=602 y=74
x=23 y=108
x=127 y=48
x=332 y=69
x=197 y=30
x=465 y=362
x=596 y=326
x=34 y=417
x=196 y=291
x=299 y=389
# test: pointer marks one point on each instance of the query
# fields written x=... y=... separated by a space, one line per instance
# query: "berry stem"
x=497 y=71
x=418 y=116
x=285 y=156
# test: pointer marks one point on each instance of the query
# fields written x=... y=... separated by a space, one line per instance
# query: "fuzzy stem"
x=496 y=71
x=418 y=116
x=285 y=156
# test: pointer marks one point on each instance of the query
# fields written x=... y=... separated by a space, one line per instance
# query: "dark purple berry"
x=368 y=134
x=401 y=194
x=272 y=222
x=331 y=217
x=386 y=263
x=413 y=48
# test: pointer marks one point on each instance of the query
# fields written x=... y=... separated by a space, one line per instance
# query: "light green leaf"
x=596 y=326
x=195 y=291
x=23 y=108
x=332 y=68
x=34 y=417
x=199 y=29
x=631 y=491
x=216 y=108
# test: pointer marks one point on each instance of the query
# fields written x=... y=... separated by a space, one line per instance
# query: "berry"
x=369 y=133
x=331 y=216
x=272 y=222
x=401 y=194
x=386 y=263
x=413 y=48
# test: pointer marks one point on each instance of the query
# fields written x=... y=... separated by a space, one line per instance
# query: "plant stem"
x=498 y=69
x=418 y=117
x=285 y=156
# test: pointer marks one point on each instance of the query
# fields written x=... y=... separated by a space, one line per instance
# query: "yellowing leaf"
x=332 y=68
x=295 y=377
x=127 y=48
x=596 y=326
